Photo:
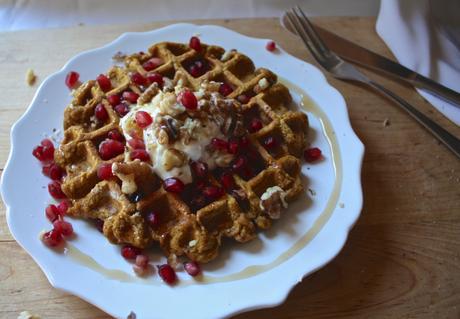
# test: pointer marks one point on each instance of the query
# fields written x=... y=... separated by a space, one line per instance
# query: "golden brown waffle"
x=185 y=227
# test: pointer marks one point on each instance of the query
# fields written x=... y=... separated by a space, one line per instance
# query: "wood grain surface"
x=402 y=259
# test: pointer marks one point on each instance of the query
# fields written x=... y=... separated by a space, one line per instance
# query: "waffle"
x=188 y=225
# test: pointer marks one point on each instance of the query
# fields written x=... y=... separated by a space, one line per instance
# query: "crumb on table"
x=30 y=77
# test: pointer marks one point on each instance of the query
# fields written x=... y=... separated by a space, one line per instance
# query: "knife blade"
x=362 y=56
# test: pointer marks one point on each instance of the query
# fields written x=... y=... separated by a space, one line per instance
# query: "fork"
x=346 y=71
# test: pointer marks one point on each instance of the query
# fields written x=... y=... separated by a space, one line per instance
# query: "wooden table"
x=402 y=259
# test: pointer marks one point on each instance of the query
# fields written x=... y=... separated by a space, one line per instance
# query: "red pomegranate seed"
x=104 y=82
x=243 y=98
x=239 y=163
x=143 y=119
x=45 y=151
x=63 y=227
x=200 y=184
x=219 y=144
x=173 y=185
x=200 y=169
x=312 y=154
x=104 y=171
x=233 y=147
x=188 y=100
x=196 y=71
x=130 y=252
x=122 y=109
x=255 y=125
x=101 y=113
x=152 y=64
x=52 y=238
x=270 y=142
x=167 y=273
x=136 y=143
x=153 y=218
x=63 y=207
x=195 y=43
x=130 y=96
x=138 y=79
x=227 y=180
x=114 y=99
x=141 y=155
x=55 y=172
x=115 y=135
x=54 y=188
x=192 y=268
x=271 y=46
x=225 y=89
x=110 y=148
x=71 y=79
x=155 y=78
x=142 y=260
x=244 y=142
x=213 y=192
x=52 y=212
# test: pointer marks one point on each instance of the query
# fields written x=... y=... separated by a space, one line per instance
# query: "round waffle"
x=188 y=224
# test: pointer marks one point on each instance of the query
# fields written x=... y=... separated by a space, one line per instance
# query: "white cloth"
x=409 y=29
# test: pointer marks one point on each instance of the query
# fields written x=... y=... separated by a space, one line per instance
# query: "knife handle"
x=444 y=136
x=437 y=89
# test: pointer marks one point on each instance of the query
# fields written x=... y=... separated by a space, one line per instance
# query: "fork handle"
x=441 y=134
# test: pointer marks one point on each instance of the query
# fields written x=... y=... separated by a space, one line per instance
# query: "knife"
x=362 y=56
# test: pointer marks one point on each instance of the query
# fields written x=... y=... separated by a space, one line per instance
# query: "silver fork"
x=346 y=71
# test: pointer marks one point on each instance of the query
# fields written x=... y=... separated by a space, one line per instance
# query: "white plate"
x=245 y=276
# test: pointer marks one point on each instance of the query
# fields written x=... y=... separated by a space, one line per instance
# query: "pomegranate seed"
x=99 y=223
x=152 y=64
x=192 y=268
x=219 y=144
x=114 y=99
x=138 y=79
x=271 y=46
x=200 y=184
x=63 y=207
x=142 y=260
x=188 y=100
x=200 y=169
x=312 y=154
x=143 y=119
x=173 y=185
x=122 y=109
x=130 y=96
x=196 y=71
x=244 y=142
x=225 y=89
x=52 y=238
x=141 y=155
x=227 y=180
x=155 y=78
x=255 y=125
x=195 y=43
x=110 y=148
x=104 y=171
x=101 y=113
x=243 y=98
x=213 y=192
x=46 y=169
x=104 y=82
x=45 y=151
x=141 y=271
x=55 y=172
x=63 y=227
x=136 y=143
x=115 y=135
x=130 y=252
x=233 y=147
x=153 y=219
x=71 y=79
x=54 y=188
x=167 y=273
x=239 y=163
x=52 y=212
x=270 y=142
